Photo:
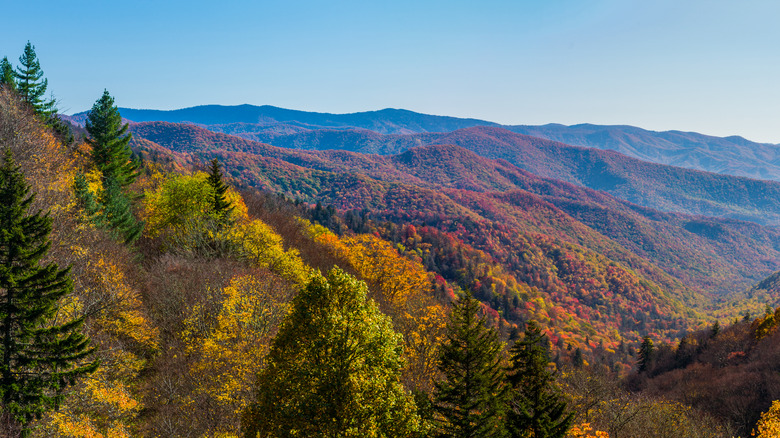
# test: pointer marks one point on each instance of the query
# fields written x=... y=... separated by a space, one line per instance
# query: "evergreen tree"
x=715 y=330
x=7 y=79
x=31 y=84
x=41 y=355
x=219 y=204
x=470 y=401
x=645 y=354
x=112 y=156
x=536 y=406
x=333 y=369
x=578 y=361
x=109 y=139
x=117 y=214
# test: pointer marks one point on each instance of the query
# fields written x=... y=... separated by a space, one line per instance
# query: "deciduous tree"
x=769 y=424
x=333 y=369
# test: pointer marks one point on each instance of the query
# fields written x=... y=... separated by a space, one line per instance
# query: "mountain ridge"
x=731 y=155
x=459 y=173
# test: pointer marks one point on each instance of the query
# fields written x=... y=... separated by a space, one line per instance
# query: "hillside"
x=437 y=185
x=724 y=155
x=665 y=188
x=184 y=318
x=386 y=121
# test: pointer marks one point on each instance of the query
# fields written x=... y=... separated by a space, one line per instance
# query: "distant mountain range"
x=706 y=254
x=664 y=188
x=301 y=129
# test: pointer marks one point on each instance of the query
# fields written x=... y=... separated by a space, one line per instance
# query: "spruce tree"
x=31 y=84
x=537 y=407
x=470 y=401
x=109 y=139
x=645 y=354
x=116 y=213
x=112 y=156
x=41 y=354
x=7 y=79
x=219 y=204
x=715 y=330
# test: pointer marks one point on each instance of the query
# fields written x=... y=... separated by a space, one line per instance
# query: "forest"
x=211 y=290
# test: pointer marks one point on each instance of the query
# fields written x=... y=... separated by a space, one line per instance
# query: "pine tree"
x=7 y=78
x=537 y=407
x=470 y=401
x=333 y=369
x=645 y=354
x=40 y=354
x=30 y=82
x=112 y=156
x=220 y=205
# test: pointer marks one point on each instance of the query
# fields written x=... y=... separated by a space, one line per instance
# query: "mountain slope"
x=387 y=121
x=725 y=155
x=427 y=183
x=660 y=187
x=497 y=249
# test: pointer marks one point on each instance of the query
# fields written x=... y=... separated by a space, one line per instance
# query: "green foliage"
x=537 y=407
x=111 y=155
x=109 y=139
x=30 y=83
x=84 y=197
x=645 y=354
x=41 y=354
x=117 y=214
x=715 y=329
x=220 y=206
x=7 y=77
x=333 y=369
x=471 y=400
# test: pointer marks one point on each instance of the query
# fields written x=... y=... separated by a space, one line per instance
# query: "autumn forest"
x=377 y=274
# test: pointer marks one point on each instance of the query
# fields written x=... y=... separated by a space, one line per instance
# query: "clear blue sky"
x=697 y=65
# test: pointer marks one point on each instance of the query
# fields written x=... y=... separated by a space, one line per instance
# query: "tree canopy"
x=7 y=77
x=333 y=369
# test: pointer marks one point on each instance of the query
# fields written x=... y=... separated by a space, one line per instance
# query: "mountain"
x=250 y=117
x=664 y=188
x=431 y=185
x=725 y=155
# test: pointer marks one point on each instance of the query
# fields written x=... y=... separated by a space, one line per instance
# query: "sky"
x=708 y=66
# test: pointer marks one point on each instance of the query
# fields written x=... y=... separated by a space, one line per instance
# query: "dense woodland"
x=226 y=288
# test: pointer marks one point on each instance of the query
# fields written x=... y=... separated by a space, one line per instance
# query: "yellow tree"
x=229 y=344
x=769 y=424
x=402 y=288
